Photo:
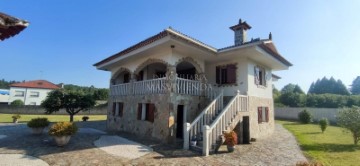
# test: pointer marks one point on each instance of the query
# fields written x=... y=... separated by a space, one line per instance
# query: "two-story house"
x=173 y=87
x=31 y=92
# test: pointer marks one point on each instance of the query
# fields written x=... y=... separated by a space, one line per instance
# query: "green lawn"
x=6 y=118
x=334 y=147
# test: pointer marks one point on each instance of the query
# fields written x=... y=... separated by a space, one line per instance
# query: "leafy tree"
x=293 y=96
x=101 y=94
x=349 y=118
x=73 y=102
x=17 y=102
x=355 y=87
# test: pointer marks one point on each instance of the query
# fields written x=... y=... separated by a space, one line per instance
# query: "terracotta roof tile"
x=42 y=84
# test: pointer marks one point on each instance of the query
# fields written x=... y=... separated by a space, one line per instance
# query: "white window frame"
x=19 y=91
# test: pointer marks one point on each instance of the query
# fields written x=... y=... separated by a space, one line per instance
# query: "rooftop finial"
x=270 y=36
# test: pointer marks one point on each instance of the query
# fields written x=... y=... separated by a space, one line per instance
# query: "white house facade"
x=31 y=92
x=175 y=88
x=4 y=96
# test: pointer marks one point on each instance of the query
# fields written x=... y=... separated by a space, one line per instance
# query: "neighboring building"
x=174 y=88
x=31 y=92
x=4 y=96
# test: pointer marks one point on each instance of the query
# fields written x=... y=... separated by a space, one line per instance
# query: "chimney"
x=240 y=32
x=61 y=85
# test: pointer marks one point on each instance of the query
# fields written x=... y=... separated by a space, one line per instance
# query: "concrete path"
x=122 y=147
x=20 y=159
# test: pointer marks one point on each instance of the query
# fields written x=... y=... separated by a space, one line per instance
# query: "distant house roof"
x=275 y=76
x=10 y=26
x=41 y=84
x=265 y=44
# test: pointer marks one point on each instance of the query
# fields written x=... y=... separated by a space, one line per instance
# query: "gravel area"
x=278 y=149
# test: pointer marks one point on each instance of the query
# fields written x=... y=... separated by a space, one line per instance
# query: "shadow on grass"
x=331 y=147
x=312 y=133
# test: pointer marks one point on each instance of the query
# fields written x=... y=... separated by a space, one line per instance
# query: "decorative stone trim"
x=148 y=62
x=121 y=69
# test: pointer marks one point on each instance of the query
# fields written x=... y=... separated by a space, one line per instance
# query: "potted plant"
x=38 y=124
x=193 y=141
x=62 y=132
x=85 y=118
x=230 y=140
x=16 y=118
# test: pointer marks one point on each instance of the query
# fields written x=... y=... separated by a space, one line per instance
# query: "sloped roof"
x=265 y=44
x=41 y=84
x=10 y=26
x=167 y=32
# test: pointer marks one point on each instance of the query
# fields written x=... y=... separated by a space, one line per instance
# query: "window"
x=34 y=94
x=226 y=74
x=146 y=112
x=259 y=75
x=118 y=109
x=19 y=93
x=32 y=103
x=263 y=114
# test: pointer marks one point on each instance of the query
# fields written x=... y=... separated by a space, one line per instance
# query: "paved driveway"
x=278 y=149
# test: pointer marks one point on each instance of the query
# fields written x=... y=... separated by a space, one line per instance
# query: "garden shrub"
x=38 y=123
x=63 y=129
x=17 y=103
x=323 y=124
x=305 y=117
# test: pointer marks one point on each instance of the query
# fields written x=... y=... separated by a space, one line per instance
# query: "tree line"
x=324 y=93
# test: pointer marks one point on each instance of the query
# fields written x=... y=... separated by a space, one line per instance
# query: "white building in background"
x=31 y=92
x=4 y=96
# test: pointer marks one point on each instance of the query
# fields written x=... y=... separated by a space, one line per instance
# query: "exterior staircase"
x=213 y=121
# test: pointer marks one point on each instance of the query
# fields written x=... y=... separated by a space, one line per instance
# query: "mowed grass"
x=333 y=147
x=7 y=118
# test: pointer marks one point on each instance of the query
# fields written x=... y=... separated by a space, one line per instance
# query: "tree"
x=292 y=95
x=73 y=102
x=349 y=118
x=355 y=86
x=101 y=94
x=17 y=102
x=330 y=86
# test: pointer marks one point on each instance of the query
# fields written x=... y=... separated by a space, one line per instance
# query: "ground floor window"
x=118 y=109
x=146 y=112
x=263 y=114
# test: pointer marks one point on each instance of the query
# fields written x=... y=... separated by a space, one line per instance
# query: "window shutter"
x=139 y=111
x=113 y=108
x=218 y=75
x=151 y=112
x=267 y=114
x=231 y=74
x=256 y=75
x=259 y=114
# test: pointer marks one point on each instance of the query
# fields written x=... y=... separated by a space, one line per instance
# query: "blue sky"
x=66 y=37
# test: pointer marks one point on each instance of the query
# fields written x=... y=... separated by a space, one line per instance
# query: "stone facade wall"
x=263 y=129
x=165 y=115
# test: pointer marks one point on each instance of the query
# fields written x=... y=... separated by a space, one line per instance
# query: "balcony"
x=162 y=86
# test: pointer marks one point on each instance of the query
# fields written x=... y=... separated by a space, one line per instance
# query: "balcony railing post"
x=206 y=147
